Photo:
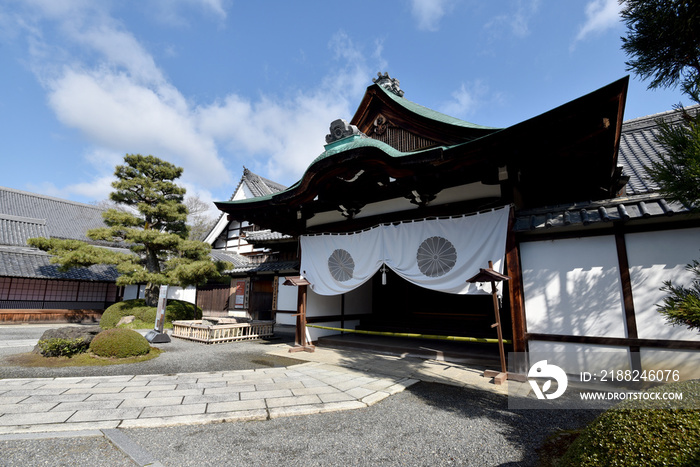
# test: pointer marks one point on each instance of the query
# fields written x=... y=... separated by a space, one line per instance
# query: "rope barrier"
x=482 y=340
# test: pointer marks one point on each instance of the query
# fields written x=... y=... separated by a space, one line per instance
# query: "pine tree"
x=663 y=41
x=153 y=227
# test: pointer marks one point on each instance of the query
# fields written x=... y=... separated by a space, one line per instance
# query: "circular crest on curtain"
x=341 y=265
x=436 y=256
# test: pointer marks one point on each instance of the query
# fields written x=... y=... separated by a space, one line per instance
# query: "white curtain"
x=439 y=254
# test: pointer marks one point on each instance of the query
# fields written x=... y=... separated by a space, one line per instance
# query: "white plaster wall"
x=575 y=358
x=572 y=287
x=653 y=258
x=285 y=318
x=321 y=305
x=687 y=362
x=449 y=195
x=216 y=231
x=130 y=292
x=188 y=294
x=314 y=333
x=286 y=296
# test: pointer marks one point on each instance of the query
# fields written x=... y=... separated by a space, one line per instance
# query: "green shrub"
x=146 y=315
x=57 y=347
x=119 y=343
x=642 y=433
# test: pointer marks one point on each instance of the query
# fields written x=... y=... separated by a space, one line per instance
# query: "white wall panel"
x=322 y=305
x=287 y=296
x=575 y=358
x=655 y=257
x=572 y=287
x=687 y=362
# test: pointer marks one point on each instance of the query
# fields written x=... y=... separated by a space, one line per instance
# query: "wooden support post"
x=301 y=344
x=489 y=275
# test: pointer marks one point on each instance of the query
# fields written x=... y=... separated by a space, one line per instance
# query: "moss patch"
x=641 y=433
x=146 y=315
x=85 y=359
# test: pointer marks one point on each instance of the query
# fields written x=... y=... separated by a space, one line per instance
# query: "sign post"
x=157 y=336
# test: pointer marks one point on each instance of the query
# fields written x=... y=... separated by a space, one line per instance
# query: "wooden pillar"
x=515 y=287
x=627 y=299
x=301 y=344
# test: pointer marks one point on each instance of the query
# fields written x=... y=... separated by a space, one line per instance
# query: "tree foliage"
x=152 y=226
x=663 y=43
x=199 y=220
x=678 y=172
x=682 y=304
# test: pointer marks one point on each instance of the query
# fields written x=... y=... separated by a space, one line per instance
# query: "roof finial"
x=340 y=129
x=390 y=84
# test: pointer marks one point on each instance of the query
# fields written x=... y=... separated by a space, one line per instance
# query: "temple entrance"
x=402 y=307
x=261 y=297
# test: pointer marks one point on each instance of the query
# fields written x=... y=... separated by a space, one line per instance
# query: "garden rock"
x=126 y=320
x=87 y=333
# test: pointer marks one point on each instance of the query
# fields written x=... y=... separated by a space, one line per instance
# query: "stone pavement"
x=143 y=401
x=329 y=380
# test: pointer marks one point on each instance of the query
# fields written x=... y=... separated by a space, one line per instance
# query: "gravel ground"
x=427 y=424
x=63 y=452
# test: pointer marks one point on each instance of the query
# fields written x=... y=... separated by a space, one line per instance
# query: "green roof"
x=432 y=114
x=338 y=147
x=361 y=141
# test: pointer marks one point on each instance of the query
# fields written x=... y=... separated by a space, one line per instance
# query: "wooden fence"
x=225 y=330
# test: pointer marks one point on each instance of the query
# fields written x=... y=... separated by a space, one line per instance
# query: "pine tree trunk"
x=151 y=294
x=152 y=265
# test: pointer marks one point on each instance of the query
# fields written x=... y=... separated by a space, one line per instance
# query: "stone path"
x=98 y=403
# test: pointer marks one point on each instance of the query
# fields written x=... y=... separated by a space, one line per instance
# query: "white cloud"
x=113 y=92
x=601 y=15
x=428 y=13
x=468 y=99
x=171 y=11
x=517 y=20
x=114 y=112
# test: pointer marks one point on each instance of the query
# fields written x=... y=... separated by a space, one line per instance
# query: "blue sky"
x=213 y=85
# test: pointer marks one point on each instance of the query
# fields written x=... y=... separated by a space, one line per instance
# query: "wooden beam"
x=515 y=287
x=615 y=341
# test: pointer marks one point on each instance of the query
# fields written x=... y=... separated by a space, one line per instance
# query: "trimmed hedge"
x=119 y=343
x=642 y=433
x=174 y=311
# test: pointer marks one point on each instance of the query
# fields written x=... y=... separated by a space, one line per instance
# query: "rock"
x=126 y=320
x=69 y=332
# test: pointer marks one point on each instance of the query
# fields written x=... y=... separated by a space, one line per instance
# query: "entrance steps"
x=478 y=354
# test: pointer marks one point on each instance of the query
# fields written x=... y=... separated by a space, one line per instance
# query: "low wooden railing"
x=32 y=316
x=216 y=330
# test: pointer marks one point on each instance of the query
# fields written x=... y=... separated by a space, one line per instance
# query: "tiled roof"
x=15 y=230
x=638 y=149
x=230 y=257
x=240 y=264
x=258 y=185
x=577 y=215
x=31 y=263
x=279 y=266
x=24 y=215
x=262 y=236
